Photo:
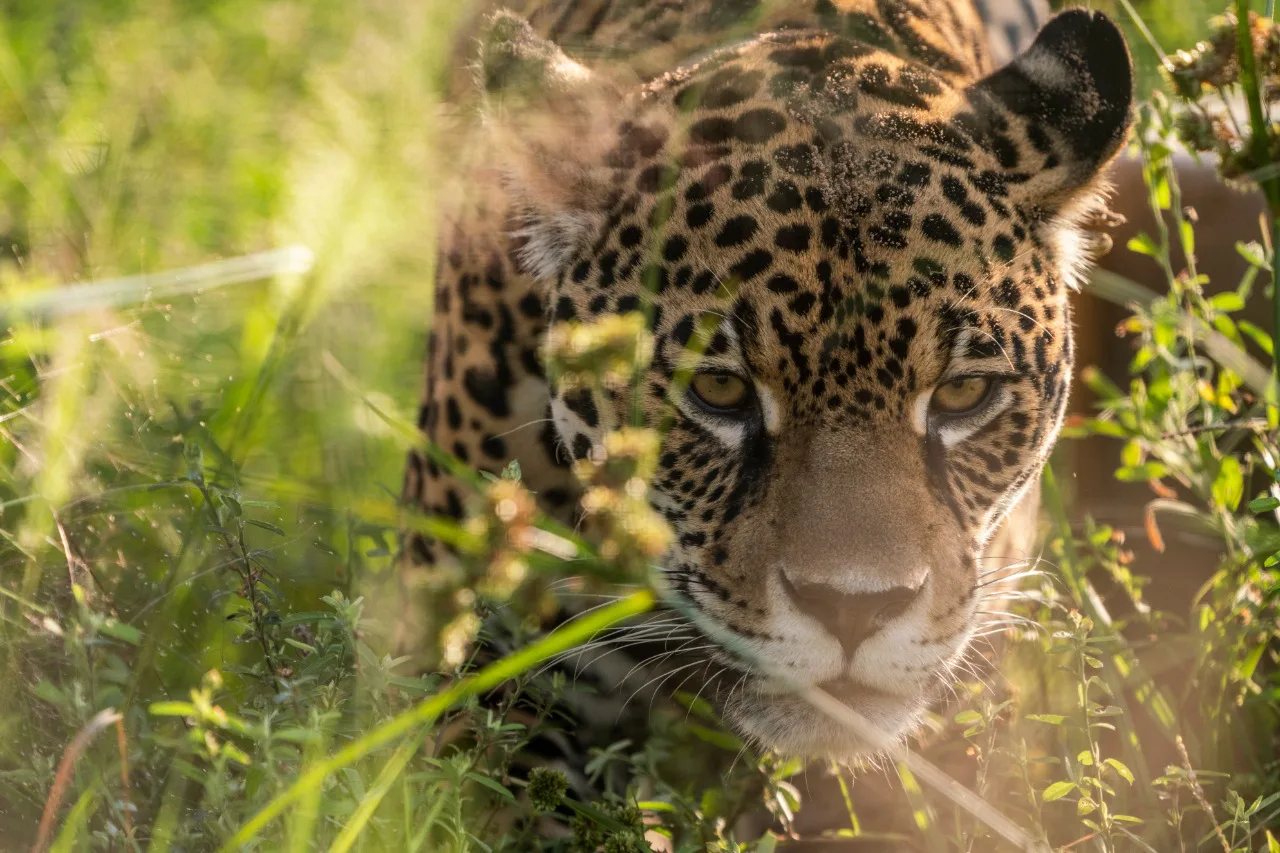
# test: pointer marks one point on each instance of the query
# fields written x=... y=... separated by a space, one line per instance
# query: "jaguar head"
x=856 y=270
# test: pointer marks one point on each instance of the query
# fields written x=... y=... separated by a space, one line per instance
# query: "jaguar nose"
x=851 y=618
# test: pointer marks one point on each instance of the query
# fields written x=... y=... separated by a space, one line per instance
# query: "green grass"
x=198 y=483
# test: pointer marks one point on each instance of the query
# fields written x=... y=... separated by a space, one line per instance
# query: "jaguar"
x=853 y=228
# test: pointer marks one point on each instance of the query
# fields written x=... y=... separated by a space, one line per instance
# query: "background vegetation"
x=198 y=480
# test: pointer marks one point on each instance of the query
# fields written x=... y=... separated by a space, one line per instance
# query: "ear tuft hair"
x=1076 y=78
x=1072 y=92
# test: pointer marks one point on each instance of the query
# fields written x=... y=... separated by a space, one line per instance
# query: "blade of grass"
x=303 y=820
x=66 y=766
x=373 y=798
x=77 y=820
x=406 y=431
x=1145 y=30
x=427 y=711
x=64 y=299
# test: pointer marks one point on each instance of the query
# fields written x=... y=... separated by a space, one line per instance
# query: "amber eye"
x=960 y=396
x=720 y=390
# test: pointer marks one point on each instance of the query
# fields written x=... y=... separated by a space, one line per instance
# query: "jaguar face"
x=856 y=271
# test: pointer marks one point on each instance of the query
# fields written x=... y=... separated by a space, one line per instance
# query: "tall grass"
x=218 y=226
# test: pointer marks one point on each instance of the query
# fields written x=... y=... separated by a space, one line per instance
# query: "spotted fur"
x=865 y=207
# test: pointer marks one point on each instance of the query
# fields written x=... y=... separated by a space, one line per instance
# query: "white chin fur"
x=794 y=728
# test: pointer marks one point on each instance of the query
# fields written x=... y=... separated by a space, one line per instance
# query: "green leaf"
x=265 y=525
x=1264 y=504
x=1227 y=327
x=121 y=631
x=1188 y=234
x=1254 y=254
x=50 y=693
x=1131 y=454
x=1111 y=428
x=1119 y=767
x=73 y=835
x=1227 y=301
x=1249 y=665
x=1057 y=791
x=966 y=718
x=1144 y=245
x=1141 y=473
x=1258 y=336
x=1228 y=486
x=172 y=709
x=413 y=685
x=1164 y=195
x=296 y=735
x=493 y=785
x=1051 y=719
x=235 y=753
x=715 y=737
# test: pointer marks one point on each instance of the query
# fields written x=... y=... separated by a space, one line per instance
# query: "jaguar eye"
x=961 y=396
x=720 y=391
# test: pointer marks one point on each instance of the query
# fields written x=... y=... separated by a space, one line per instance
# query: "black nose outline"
x=852 y=618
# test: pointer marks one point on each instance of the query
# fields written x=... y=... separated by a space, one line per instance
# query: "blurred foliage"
x=198 y=488
x=1170 y=25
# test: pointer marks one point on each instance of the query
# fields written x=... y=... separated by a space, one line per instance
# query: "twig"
x=72 y=559
x=1080 y=841
x=1198 y=793
x=1145 y=30
x=240 y=554
x=1244 y=423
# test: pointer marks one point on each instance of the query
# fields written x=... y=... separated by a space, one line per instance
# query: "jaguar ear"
x=1073 y=91
x=550 y=120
